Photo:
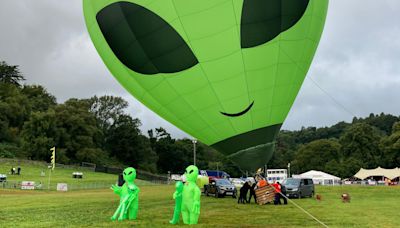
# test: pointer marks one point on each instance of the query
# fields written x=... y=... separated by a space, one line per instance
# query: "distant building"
x=276 y=175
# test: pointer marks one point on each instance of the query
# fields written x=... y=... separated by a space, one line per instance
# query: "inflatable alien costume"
x=128 y=192
x=191 y=196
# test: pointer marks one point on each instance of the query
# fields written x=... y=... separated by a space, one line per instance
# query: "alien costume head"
x=129 y=174
x=225 y=72
x=191 y=173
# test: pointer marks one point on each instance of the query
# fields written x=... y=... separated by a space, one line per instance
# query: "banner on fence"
x=63 y=187
x=27 y=185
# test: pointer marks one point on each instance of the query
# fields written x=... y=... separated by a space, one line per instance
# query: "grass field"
x=31 y=172
x=370 y=207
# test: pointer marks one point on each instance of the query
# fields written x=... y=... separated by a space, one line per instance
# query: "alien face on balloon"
x=226 y=72
x=129 y=174
x=191 y=173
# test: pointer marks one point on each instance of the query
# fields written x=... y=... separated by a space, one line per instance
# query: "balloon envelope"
x=225 y=72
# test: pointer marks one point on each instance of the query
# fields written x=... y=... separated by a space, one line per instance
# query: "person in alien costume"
x=190 y=207
x=129 y=193
x=178 y=202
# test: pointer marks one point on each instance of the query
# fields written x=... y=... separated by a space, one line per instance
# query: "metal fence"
x=141 y=174
x=71 y=186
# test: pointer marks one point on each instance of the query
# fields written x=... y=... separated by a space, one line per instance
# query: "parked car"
x=249 y=179
x=217 y=174
x=237 y=182
x=3 y=178
x=299 y=187
x=220 y=188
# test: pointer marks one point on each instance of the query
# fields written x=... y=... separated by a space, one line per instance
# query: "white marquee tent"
x=319 y=177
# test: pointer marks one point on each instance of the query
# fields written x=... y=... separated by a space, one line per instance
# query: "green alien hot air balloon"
x=224 y=71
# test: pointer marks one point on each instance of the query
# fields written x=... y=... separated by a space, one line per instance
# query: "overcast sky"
x=357 y=63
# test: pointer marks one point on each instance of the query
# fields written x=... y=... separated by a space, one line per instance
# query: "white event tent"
x=319 y=177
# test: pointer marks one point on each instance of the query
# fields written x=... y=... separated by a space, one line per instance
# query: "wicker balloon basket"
x=265 y=194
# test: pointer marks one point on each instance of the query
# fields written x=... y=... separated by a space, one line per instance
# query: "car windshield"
x=292 y=182
x=223 y=182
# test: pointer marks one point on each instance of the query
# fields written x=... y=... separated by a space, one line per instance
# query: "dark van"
x=299 y=187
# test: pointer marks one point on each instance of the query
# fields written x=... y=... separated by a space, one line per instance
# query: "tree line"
x=98 y=130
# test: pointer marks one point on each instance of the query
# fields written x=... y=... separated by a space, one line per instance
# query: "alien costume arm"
x=196 y=201
x=117 y=190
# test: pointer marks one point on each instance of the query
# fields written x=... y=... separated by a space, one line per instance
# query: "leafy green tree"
x=316 y=154
x=39 y=99
x=361 y=142
x=107 y=109
x=10 y=74
x=39 y=135
x=77 y=128
x=14 y=106
x=390 y=146
x=125 y=142
x=286 y=148
x=383 y=122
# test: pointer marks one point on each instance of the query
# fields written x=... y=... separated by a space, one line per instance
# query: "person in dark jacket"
x=253 y=193
x=243 y=192
x=283 y=191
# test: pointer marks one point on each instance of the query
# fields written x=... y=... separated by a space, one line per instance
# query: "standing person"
x=253 y=193
x=277 y=187
x=19 y=170
x=12 y=170
x=283 y=191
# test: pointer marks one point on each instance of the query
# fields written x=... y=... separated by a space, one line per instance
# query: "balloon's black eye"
x=263 y=20
x=124 y=173
x=191 y=171
x=130 y=173
x=142 y=40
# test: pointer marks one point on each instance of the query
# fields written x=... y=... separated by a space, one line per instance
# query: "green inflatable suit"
x=225 y=72
x=129 y=197
x=191 y=196
x=178 y=202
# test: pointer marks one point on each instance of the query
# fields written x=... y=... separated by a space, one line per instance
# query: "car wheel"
x=234 y=196
x=216 y=194
x=206 y=192
x=299 y=195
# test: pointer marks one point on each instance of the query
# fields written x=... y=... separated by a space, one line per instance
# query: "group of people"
x=15 y=171
x=280 y=191
x=247 y=186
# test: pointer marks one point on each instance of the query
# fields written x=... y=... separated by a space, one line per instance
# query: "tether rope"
x=313 y=217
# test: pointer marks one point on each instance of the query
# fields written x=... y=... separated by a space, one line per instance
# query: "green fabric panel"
x=247 y=140
x=254 y=157
x=227 y=78
x=218 y=70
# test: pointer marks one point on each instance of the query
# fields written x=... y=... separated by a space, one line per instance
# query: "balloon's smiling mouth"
x=239 y=113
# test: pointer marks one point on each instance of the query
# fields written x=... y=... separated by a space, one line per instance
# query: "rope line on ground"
x=313 y=217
